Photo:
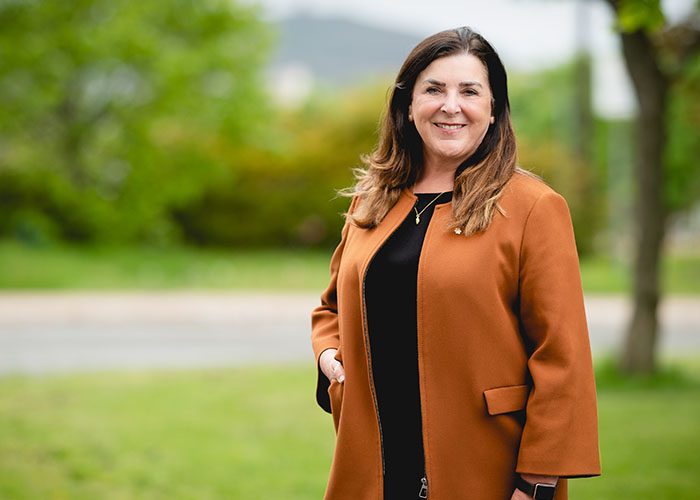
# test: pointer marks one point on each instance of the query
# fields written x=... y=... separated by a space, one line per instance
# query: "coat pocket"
x=335 y=393
x=506 y=399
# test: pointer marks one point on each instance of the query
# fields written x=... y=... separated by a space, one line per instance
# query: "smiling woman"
x=451 y=109
x=451 y=343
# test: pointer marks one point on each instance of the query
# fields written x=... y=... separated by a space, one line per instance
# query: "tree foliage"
x=282 y=192
x=110 y=110
x=636 y=15
x=152 y=122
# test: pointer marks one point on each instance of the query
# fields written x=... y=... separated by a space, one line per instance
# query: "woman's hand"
x=519 y=495
x=331 y=367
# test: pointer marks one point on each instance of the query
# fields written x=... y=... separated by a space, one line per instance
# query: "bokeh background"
x=168 y=207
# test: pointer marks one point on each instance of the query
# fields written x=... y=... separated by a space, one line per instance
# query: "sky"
x=528 y=34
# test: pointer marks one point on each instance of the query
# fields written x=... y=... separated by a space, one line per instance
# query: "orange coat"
x=506 y=378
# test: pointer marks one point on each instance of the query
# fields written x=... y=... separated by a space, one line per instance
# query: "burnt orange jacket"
x=505 y=370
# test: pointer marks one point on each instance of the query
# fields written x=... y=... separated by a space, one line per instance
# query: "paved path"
x=58 y=332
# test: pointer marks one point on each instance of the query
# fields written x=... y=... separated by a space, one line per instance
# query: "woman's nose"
x=451 y=104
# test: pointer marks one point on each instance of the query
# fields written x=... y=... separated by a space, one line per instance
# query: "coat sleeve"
x=324 y=321
x=560 y=437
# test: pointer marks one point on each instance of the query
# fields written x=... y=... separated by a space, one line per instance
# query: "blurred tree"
x=282 y=192
x=657 y=56
x=109 y=110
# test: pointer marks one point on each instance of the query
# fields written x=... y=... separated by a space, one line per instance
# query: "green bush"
x=112 y=111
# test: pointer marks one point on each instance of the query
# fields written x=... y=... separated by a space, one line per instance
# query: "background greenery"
x=256 y=433
x=127 y=122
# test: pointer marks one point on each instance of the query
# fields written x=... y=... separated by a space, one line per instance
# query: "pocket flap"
x=506 y=399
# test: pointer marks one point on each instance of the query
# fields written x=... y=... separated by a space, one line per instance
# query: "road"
x=66 y=332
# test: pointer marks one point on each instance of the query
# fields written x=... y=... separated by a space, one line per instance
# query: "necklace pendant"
x=417 y=219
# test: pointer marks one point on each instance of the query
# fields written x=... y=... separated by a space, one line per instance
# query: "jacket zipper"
x=423 y=493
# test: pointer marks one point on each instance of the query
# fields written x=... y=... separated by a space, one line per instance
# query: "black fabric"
x=390 y=297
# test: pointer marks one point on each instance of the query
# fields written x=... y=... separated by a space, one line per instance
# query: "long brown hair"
x=396 y=162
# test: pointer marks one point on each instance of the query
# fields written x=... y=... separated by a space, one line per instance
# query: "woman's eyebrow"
x=437 y=83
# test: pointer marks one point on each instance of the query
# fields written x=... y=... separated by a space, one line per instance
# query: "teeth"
x=449 y=127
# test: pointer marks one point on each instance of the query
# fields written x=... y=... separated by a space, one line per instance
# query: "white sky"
x=526 y=33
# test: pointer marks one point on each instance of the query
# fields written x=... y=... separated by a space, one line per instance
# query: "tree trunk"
x=651 y=87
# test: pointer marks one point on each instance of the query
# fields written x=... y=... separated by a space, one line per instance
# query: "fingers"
x=338 y=371
x=331 y=367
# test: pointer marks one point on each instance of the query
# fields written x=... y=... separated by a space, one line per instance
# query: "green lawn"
x=64 y=268
x=256 y=433
x=151 y=268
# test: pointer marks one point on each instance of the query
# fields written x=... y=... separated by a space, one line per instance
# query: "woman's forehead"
x=457 y=69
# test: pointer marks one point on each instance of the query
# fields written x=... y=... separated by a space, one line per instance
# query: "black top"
x=390 y=296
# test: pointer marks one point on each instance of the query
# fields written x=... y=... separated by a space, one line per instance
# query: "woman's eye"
x=432 y=90
x=470 y=92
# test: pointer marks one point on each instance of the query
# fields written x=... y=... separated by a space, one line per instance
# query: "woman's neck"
x=435 y=180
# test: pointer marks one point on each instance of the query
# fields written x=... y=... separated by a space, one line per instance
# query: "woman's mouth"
x=450 y=126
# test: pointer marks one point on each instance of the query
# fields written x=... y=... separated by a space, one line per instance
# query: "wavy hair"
x=396 y=162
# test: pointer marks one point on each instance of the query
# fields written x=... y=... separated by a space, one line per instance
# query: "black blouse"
x=390 y=296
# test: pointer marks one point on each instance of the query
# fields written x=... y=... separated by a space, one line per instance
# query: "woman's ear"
x=493 y=120
x=410 y=114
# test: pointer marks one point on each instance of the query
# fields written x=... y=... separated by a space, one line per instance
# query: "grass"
x=649 y=433
x=107 y=268
x=250 y=433
x=680 y=275
x=256 y=433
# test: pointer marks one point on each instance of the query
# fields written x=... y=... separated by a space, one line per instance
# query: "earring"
x=493 y=120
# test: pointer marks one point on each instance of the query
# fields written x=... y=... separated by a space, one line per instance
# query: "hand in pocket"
x=331 y=367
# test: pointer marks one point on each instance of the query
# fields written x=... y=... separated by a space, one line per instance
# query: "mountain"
x=338 y=51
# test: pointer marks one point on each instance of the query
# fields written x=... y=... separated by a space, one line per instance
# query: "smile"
x=450 y=126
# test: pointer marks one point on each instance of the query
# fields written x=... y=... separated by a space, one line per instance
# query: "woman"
x=452 y=343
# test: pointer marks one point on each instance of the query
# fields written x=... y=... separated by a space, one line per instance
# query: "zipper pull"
x=423 y=493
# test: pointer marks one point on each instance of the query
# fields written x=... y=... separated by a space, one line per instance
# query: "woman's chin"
x=451 y=156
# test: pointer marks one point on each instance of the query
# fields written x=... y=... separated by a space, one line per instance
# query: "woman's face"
x=451 y=108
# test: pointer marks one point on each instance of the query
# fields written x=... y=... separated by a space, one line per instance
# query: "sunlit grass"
x=680 y=275
x=152 y=268
x=156 y=268
x=256 y=433
x=252 y=433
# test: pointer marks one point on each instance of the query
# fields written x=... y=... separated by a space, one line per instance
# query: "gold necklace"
x=425 y=207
